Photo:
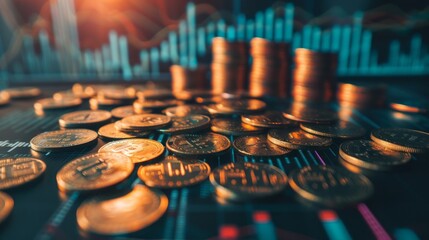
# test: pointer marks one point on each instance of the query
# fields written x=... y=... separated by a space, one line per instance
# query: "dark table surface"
x=398 y=209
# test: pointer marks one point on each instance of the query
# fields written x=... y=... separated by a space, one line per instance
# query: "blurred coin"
x=153 y=105
x=122 y=112
x=198 y=144
x=23 y=92
x=296 y=139
x=123 y=94
x=245 y=181
x=309 y=115
x=340 y=129
x=173 y=172
x=154 y=93
x=185 y=110
x=6 y=206
x=402 y=139
x=361 y=95
x=410 y=106
x=70 y=94
x=109 y=132
x=4 y=98
x=119 y=215
x=145 y=122
x=258 y=146
x=370 y=155
x=330 y=186
x=85 y=118
x=94 y=172
x=63 y=140
x=241 y=106
x=17 y=171
x=270 y=119
x=139 y=150
x=51 y=104
x=104 y=103
x=233 y=127
x=190 y=123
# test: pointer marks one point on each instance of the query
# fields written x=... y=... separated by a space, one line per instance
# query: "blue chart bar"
x=405 y=234
x=334 y=227
x=64 y=58
x=265 y=229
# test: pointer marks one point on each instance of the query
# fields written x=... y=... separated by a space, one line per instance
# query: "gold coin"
x=296 y=138
x=118 y=93
x=258 y=146
x=370 y=155
x=122 y=112
x=185 y=110
x=153 y=105
x=402 y=139
x=309 y=115
x=17 y=171
x=139 y=149
x=270 y=119
x=410 y=106
x=70 y=94
x=186 y=124
x=118 y=215
x=241 y=106
x=63 y=140
x=243 y=181
x=145 y=122
x=174 y=172
x=330 y=186
x=94 y=172
x=98 y=102
x=110 y=132
x=4 y=98
x=340 y=129
x=86 y=118
x=6 y=206
x=198 y=144
x=52 y=104
x=233 y=127
x=23 y=92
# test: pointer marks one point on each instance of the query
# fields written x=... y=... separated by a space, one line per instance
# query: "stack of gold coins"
x=314 y=76
x=229 y=65
x=183 y=79
x=361 y=96
x=269 y=75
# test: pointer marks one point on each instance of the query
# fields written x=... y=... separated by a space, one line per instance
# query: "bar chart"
x=189 y=46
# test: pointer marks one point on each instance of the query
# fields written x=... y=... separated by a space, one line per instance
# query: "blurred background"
x=78 y=40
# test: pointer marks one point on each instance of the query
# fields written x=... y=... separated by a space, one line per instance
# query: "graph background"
x=63 y=40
